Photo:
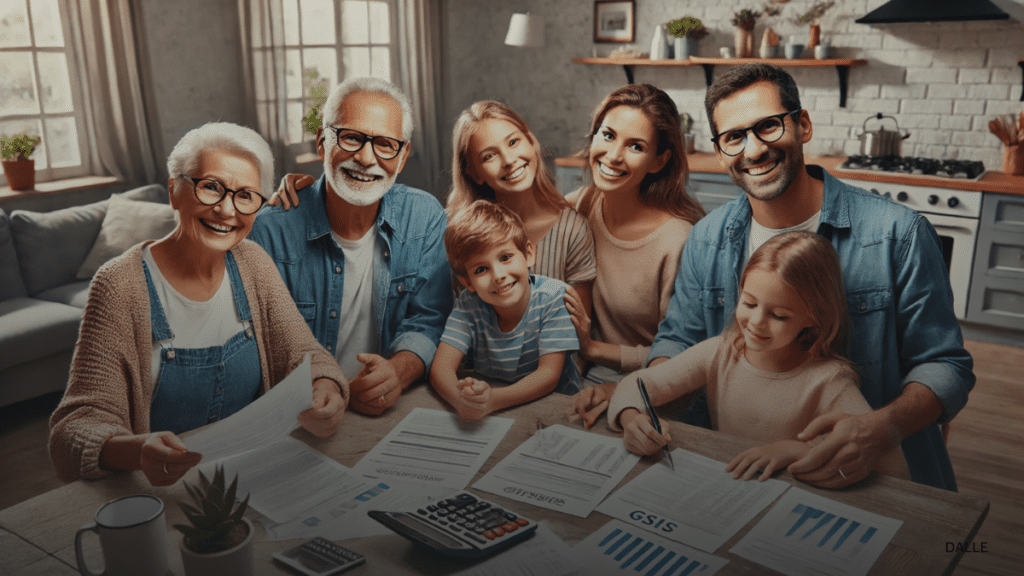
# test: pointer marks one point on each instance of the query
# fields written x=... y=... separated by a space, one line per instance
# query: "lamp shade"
x=525 y=30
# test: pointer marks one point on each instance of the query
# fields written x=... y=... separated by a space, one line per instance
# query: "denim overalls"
x=196 y=386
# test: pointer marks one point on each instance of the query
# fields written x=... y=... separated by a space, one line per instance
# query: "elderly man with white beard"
x=362 y=256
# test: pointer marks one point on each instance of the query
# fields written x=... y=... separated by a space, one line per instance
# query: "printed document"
x=543 y=554
x=618 y=548
x=805 y=535
x=434 y=447
x=707 y=506
x=288 y=479
x=266 y=420
x=562 y=469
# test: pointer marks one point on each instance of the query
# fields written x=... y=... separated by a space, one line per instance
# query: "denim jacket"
x=903 y=328
x=412 y=289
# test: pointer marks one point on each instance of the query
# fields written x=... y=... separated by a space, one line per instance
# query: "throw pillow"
x=127 y=223
x=51 y=245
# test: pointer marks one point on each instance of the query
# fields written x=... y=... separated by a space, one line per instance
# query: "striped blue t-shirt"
x=509 y=356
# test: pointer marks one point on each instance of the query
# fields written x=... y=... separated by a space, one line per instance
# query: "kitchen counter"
x=991 y=182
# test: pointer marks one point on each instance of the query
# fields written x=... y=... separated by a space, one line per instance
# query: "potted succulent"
x=813 y=18
x=686 y=123
x=744 y=21
x=19 y=169
x=219 y=540
x=770 y=40
x=687 y=31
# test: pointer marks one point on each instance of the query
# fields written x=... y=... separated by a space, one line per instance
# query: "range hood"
x=933 y=11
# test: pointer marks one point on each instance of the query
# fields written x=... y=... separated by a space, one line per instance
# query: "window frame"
x=78 y=102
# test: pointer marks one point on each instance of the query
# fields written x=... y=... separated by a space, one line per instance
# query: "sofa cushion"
x=32 y=329
x=127 y=223
x=51 y=246
x=74 y=294
x=11 y=285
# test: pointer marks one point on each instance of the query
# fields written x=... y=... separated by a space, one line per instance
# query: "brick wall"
x=941 y=81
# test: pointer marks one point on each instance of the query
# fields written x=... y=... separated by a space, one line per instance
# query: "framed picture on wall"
x=614 y=21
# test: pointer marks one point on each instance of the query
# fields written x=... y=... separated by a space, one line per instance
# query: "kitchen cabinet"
x=997 y=281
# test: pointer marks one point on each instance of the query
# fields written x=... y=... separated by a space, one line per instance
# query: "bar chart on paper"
x=621 y=548
x=806 y=534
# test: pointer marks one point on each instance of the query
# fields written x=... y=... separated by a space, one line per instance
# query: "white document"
x=543 y=554
x=562 y=469
x=266 y=420
x=434 y=447
x=805 y=535
x=618 y=548
x=288 y=479
x=707 y=506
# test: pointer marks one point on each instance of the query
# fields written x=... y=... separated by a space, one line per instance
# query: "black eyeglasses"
x=210 y=192
x=768 y=129
x=351 y=140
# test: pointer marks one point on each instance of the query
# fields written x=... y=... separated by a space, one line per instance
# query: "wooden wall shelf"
x=842 y=66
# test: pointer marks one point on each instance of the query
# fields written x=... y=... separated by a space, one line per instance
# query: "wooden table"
x=42 y=530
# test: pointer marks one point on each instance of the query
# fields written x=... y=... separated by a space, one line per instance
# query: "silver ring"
x=841 y=473
x=165 y=467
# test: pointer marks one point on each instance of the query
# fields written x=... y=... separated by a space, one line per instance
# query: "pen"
x=654 y=419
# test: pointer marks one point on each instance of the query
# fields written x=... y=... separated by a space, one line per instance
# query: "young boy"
x=515 y=322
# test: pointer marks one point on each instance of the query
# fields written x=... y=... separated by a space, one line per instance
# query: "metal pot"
x=881 y=142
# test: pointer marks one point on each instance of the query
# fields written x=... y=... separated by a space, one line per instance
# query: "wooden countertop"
x=999 y=182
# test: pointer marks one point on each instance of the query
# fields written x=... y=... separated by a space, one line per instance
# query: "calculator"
x=462 y=525
x=319 y=557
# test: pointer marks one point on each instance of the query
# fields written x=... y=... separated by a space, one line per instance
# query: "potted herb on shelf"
x=19 y=169
x=812 y=18
x=219 y=540
x=744 y=21
x=687 y=31
x=686 y=123
x=770 y=39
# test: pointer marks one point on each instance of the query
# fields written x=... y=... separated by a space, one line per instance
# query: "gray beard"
x=363 y=196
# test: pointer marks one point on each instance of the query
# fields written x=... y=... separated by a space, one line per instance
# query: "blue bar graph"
x=814 y=522
x=634 y=553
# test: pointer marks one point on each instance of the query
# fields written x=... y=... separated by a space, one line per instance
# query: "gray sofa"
x=42 y=256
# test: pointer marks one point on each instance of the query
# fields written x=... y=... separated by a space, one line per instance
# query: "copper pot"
x=881 y=142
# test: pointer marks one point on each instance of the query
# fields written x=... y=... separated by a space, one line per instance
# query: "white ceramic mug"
x=133 y=536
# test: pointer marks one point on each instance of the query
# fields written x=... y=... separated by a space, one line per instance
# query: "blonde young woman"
x=640 y=215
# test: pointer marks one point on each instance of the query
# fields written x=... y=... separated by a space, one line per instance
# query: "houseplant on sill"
x=687 y=31
x=19 y=170
x=219 y=541
x=813 y=18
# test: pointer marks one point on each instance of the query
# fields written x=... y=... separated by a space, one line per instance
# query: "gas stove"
x=958 y=169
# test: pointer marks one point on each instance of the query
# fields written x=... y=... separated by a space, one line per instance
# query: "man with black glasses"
x=362 y=256
x=905 y=339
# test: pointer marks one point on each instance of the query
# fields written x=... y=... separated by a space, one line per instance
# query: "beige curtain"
x=262 y=34
x=103 y=36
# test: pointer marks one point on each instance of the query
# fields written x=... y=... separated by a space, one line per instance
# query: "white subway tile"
x=973 y=76
x=931 y=75
x=968 y=107
x=937 y=106
x=988 y=91
x=948 y=91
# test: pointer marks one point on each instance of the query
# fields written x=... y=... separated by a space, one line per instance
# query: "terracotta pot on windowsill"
x=20 y=174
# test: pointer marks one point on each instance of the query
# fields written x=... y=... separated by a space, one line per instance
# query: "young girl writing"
x=774 y=370
x=496 y=157
x=640 y=213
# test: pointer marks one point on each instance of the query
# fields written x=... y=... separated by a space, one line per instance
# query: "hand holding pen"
x=643 y=436
x=654 y=420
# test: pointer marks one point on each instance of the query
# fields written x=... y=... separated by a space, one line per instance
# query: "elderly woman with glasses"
x=186 y=330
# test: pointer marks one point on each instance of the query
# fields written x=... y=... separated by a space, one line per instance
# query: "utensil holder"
x=1013 y=159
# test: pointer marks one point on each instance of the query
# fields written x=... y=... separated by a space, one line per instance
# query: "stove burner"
x=961 y=169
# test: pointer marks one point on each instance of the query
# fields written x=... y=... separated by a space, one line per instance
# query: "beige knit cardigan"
x=110 y=385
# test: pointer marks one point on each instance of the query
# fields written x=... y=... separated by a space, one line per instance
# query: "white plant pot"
x=235 y=561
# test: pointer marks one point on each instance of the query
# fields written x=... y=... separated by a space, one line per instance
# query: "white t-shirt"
x=193 y=324
x=357 y=331
x=760 y=234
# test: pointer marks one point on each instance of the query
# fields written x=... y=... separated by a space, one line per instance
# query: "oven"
x=954 y=214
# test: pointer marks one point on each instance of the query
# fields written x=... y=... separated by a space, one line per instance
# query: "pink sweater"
x=110 y=385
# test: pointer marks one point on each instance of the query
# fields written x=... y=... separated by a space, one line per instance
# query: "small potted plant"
x=219 y=540
x=813 y=18
x=744 y=21
x=19 y=169
x=687 y=31
x=686 y=123
x=770 y=40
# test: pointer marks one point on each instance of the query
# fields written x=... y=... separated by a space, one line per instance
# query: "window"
x=38 y=87
x=299 y=54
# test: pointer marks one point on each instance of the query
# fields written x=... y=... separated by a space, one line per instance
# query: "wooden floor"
x=986 y=443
